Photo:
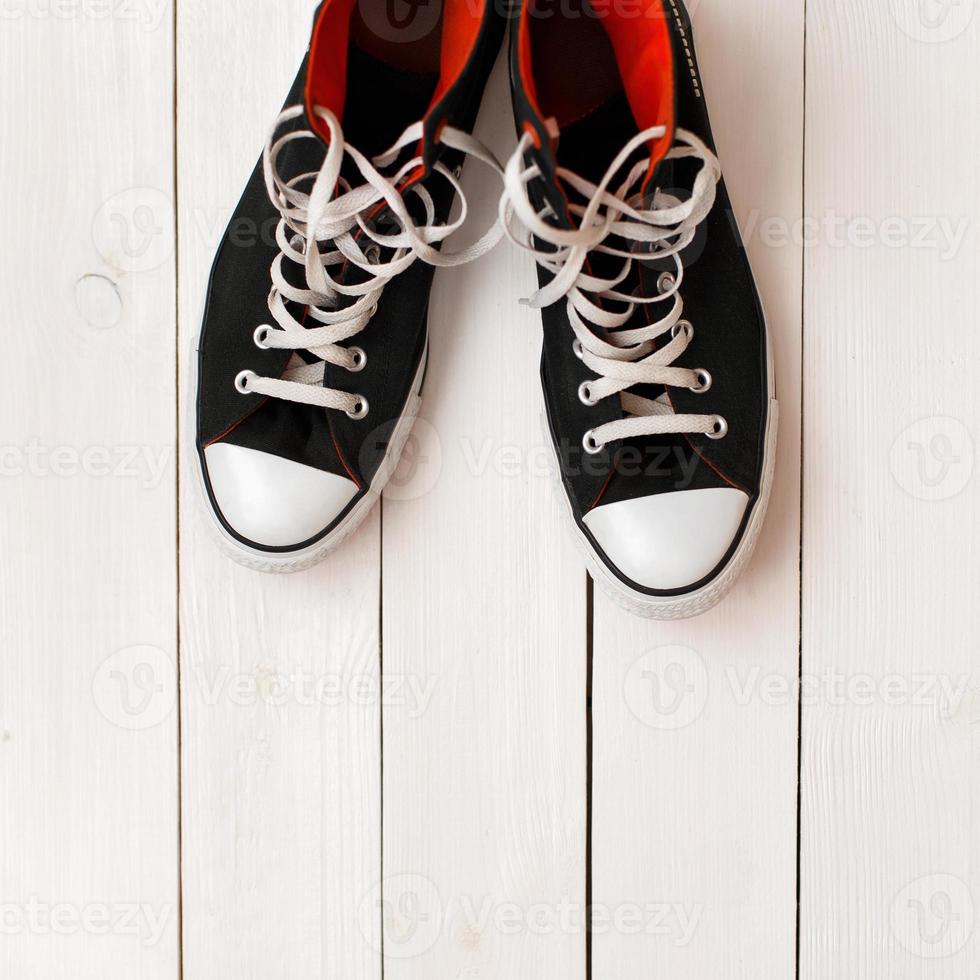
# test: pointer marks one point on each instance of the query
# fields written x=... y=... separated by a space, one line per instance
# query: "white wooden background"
x=424 y=758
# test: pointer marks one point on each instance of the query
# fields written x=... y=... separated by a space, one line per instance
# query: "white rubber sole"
x=689 y=604
x=297 y=561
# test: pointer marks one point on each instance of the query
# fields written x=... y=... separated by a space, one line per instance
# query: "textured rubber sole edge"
x=298 y=561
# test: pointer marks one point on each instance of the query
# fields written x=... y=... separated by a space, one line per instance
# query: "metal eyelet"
x=665 y=282
x=261 y=335
x=577 y=349
x=458 y=172
x=361 y=409
x=358 y=360
x=373 y=254
x=589 y=443
x=241 y=381
x=585 y=394
x=720 y=429
x=704 y=381
x=685 y=327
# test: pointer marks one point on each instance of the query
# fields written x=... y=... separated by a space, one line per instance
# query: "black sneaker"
x=307 y=394
x=656 y=373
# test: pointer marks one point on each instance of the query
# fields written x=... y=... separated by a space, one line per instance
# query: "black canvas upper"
x=719 y=293
x=381 y=100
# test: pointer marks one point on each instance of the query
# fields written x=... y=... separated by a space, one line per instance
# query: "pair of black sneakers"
x=655 y=368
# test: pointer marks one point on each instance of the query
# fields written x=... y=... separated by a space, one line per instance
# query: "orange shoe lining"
x=638 y=59
x=326 y=83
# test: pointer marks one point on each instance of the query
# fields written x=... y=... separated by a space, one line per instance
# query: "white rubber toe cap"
x=273 y=501
x=671 y=540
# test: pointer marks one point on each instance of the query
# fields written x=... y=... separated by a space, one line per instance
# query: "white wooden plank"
x=891 y=559
x=484 y=598
x=695 y=783
x=88 y=732
x=281 y=715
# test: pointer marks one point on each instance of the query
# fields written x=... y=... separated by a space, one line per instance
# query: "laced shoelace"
x=618 y=223
x=331 y=226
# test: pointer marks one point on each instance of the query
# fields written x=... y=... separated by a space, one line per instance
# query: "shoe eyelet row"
x=705 y=381
x=720 y=429
x=593 y=447
x=359 y=360
x=590 y=444
x=585 y=394
x=360 y=409
x=242 y=380
x=683 y=327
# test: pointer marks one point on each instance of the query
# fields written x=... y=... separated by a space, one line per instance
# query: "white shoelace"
x=329 y=227
x=621 y=358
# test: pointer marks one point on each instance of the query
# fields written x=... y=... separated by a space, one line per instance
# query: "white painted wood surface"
x=695 y=723
x=432 y=801
x=281 y=715
x=88 y=726
x=484 y=599
x=890 y=827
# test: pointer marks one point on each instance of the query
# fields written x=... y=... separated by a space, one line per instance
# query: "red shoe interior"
x=419 y=40
x=577 y=55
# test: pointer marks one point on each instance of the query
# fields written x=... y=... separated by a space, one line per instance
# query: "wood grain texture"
x=891 y=740
x=382 y=761
x=88 y=732
x=280 y=693
x=695 y=723
x=484 y=791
